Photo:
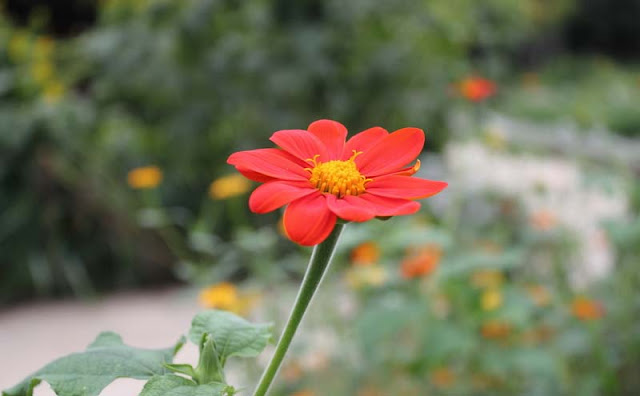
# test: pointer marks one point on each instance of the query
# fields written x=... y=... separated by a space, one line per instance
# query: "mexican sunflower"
x=323 y=177
x=477 y=89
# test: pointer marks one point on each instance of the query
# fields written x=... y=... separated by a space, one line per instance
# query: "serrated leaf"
x=87 y=373
x=232 y=335
x=172 y=385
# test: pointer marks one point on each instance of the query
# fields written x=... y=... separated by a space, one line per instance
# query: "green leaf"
x=232 y=335
x=209 y=366
x=87 y=373
x=172 y=385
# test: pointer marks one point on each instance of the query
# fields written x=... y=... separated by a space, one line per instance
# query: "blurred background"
x=118 y=211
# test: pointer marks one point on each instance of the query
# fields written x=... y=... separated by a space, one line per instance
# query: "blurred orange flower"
x=586 y=309
x=538 y=335
x=495 y=329
x=443 y=377
x=421 y=262
x=476 y=89
x=543 y=220
x=304 y=392
x=366 y=253
x=229 y=186
x=292 y=372
x=145 y=177
x=539 y=294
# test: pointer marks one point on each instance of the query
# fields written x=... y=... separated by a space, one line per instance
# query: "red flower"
x=477 y=89
x=323 y=177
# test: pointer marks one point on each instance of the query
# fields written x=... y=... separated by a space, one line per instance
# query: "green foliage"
x=172 y=385
x=230 y=334
x=219 y=334
x=181 y=84
x=590 y=92
x=87 y=373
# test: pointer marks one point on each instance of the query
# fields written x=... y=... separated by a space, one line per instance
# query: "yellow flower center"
x=339 y=178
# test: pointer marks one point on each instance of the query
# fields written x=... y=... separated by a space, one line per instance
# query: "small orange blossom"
x=145 y=177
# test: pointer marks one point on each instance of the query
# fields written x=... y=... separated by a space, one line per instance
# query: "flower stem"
x=318 y=264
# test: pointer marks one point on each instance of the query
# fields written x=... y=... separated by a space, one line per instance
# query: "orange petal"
x=363 y=141
x=332 y=133
x=308 y=221
x=351 y=208
x=392 y=152
x=404 y=187
x=301 y=144
x=269 y=162
x=272 y=195
x=385 y=206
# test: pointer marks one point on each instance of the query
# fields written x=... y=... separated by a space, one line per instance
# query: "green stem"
x=320 y=260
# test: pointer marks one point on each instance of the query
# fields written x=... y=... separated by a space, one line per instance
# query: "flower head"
x=476 y=89
x=321 y=176
x=586 y=309
x=421 y=262
x=491 y=299
x=366 y=253
x=145 y=177
x=443 y=377
x=226 y=296
x=228 y=187
x=495 y=330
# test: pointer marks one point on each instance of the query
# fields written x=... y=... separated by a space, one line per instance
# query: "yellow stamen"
x=339 y=178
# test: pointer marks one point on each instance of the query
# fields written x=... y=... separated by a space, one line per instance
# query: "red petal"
x=308 y=221
x=255 y=176
x=363 y=141
x=270 y=196
x=404 y=187
x=351 y=208
x=392 y=152
x=332 y=133
x=269 y=162
x=300 y=143
x=385 y=206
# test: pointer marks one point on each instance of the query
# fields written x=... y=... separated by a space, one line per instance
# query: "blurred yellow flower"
x=372 y=275
x=229 y=186
x=485 y=279
x=366 y=253
x=491 y=299
x=421 y=262
x=19 y=46
x=43 y=47
x=221 y=296
x=539 y=294
x=53 y=91
x=225 y=296
x=443 y=377
x=42 y=71
x=587 y=309
x=145 y=177
x=495 y=329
